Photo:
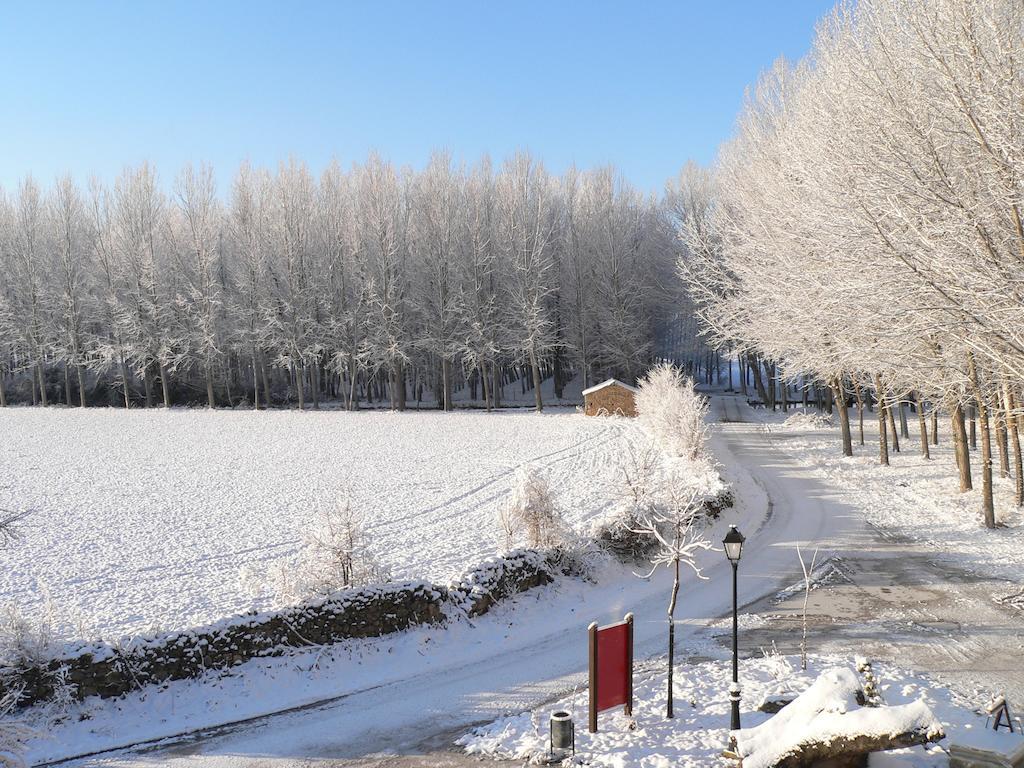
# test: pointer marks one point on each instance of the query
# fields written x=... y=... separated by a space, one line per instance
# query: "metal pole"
x=671 y=663
x=734 y=689
x=592 y=645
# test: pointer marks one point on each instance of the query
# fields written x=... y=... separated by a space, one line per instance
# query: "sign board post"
x=611 y=667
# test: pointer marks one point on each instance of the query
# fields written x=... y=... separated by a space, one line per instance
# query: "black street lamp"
x=733 y=542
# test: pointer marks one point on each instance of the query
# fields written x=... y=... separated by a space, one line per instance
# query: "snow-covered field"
x=145 y=519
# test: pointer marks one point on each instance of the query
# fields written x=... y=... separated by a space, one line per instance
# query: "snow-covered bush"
x=336 y=555
x=672 y=412
x=807 y=420
x=532 y=508
x=508 y=526
x=24 y=643
x=638 y=472
x=14 y=734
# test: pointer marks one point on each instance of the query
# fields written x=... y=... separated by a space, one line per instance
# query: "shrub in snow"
x=336 y=555
x=807 y=420
x=25 y=645
x=672 y=412
x=14 y=734
x=508 y=526
x=533 y=509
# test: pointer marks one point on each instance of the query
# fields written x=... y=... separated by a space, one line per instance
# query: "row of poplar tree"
x=371 y=282
x=863 y=228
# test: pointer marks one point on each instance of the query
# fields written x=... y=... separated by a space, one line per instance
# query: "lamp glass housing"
x=733 y=543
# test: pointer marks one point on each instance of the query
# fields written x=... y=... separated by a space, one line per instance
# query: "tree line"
x=372 y=283
x=863 y=228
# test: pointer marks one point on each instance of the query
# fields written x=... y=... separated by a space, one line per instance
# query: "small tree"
x=534 y=507
x=671 y=524
x=508 y=523
x=808 y=571
x=337 y=553
x=672 y=412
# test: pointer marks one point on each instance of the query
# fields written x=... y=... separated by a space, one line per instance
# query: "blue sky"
x=91 y=86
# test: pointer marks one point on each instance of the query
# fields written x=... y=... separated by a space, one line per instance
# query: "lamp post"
x=733 y=543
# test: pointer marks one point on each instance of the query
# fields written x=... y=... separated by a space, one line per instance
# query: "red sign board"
x=611 y=668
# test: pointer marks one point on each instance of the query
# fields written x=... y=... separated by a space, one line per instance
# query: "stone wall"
x=107 y=670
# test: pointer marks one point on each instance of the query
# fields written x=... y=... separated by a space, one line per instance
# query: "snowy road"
x=515 y=659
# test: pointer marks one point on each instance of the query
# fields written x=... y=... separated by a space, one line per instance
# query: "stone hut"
x=610 y=397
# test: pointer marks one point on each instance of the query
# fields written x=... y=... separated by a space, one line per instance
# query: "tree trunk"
x=672 y=638
x=81 y=386
x=67 y=386
x=1002 y=443
x=892 y=422
x=314 y=375
x=844 y=416
x=124 y=377
x=935 y=425
x=165 y=385
x=300 y=385
x=922 y=423
x=860 y=409
x=266 y=382
x=400 y=385
x=227 y=385
x=3 y=392
x=446 y=382
x=883 y=441
x=485 y=381
x=42 y=384
x=755 y=367
x=496 y=387
x=538 y=402
x=1011 y=423
x=988 y=507
x=210 y=399
x=255 y=381
x=147 y=380
x=960 y=449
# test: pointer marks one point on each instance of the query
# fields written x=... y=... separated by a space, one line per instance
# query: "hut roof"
x=608 y=383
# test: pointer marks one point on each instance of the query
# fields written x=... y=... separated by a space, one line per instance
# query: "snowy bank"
x=699 y=733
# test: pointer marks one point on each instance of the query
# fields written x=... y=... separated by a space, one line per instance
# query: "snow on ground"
x=144 y=520
x=699 y=732
x=914 y=497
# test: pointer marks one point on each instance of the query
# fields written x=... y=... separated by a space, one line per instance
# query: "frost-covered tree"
x=864 y=230
x=525 y=228
x=672 y=522
x=197 y=246
x=361 y=285
x=73 y=297
x=672 y=412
